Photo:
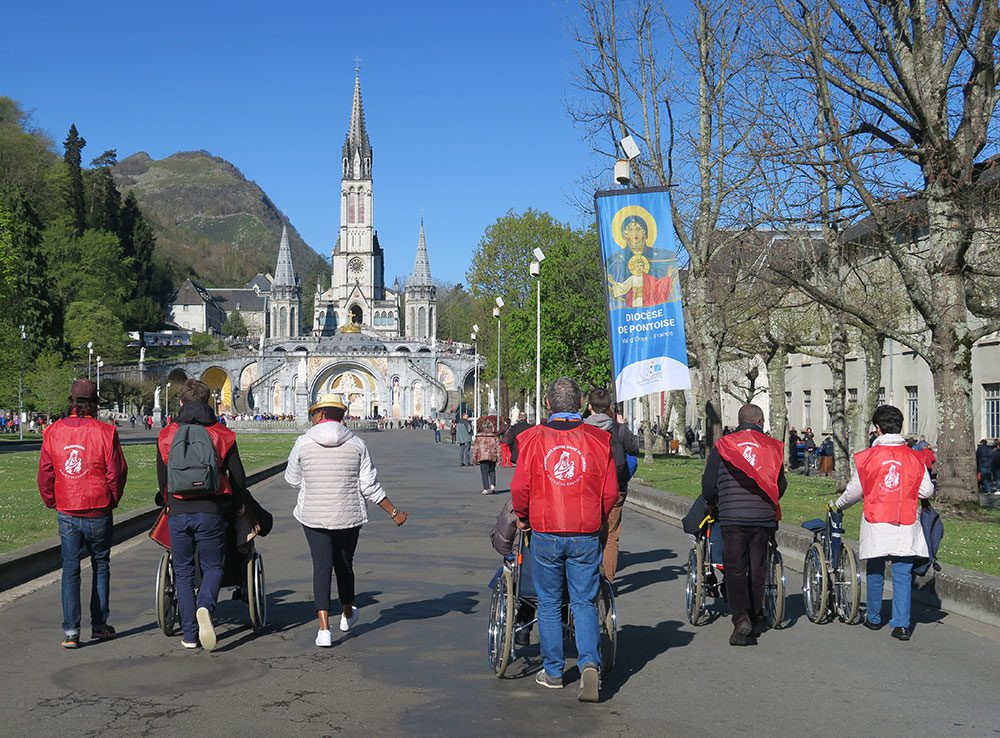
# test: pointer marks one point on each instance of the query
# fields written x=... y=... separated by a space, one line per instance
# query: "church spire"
x=284 y=272
x=357 y=145
x=421 y=276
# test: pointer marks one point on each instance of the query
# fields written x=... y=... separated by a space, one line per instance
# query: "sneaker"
x=485 y=492
x=901 y=634
x=546 y=681
x=323 y=638
x=493 y=489
x=347 y=623
x=589 y=683
x=71 y=640
x=873 y=626
x=741 y=634
x=188 y=644
x=206 y=631
x=102 y=632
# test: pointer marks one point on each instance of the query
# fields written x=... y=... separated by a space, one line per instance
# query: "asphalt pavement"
x=415 y=663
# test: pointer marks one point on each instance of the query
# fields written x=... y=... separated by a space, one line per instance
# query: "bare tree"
x=924 y=76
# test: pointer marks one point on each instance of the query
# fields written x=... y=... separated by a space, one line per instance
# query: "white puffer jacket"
x=335 y=475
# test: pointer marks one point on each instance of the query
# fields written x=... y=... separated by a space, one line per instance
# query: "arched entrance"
x=356 y=384
x=218 y=381
x=356 y=314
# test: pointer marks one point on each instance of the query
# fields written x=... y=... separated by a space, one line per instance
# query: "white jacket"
x=335 y=475
x=888 y=539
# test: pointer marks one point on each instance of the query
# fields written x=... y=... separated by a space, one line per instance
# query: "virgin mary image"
x=639 y=275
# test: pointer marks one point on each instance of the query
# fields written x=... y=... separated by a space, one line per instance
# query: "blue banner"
x=645 y=317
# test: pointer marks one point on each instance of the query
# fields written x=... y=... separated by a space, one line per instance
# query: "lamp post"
x=166 y=402
x=90 y=355
x=99 y=365
x=536 y=271
x=496 y=314
x=20 y=388
x=475 y=371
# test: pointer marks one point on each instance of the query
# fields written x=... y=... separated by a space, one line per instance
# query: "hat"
x=328 y=400
x=83 y=390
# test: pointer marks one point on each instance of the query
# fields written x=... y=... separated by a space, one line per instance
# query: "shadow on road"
x=637 y=646
x=462 y=602
x=639 y=579
x=627 y=558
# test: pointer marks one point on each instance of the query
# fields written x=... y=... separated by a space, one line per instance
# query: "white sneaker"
x=347 y=623
x=493 y=489
x=324 y=639
x=206 y=631
x=485 y=492
x=188 y=645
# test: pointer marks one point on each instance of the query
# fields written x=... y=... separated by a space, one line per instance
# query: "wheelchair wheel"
x=607 y=618
x=166 y=595
x=500 y=633
x=848 y=588
x=774 y=589
x=694 y=590
x=815 y=588
x=256 y=593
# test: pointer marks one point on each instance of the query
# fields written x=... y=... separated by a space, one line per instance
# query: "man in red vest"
x=198 y=522
x=565 y=484
x=82 y=473
x=891 y=478
x=745 y=477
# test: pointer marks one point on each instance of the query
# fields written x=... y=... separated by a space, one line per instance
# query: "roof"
x=263 y=282
x=421 y=275
x=356 y=143
x=190 y=293
x=246 y=300
x=357 y=343
x=284 y=272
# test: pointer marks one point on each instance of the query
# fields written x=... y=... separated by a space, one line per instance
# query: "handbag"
x=160 y=532
x=247 y=527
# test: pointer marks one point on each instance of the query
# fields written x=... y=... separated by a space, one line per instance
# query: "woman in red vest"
x=891 y=479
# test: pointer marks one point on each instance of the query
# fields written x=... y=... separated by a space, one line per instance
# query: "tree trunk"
x=873 y=345
x=778 y=414
x=647 y=430
x=678 y=401
x=838 y=418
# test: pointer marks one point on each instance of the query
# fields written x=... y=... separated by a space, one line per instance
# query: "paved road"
x=415 y=663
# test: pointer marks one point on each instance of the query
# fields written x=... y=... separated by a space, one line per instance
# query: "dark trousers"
x=744 y=551
x=488 y=471
x=332 y=552
x=206 y=533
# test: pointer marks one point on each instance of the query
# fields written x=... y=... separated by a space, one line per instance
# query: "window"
x=912 y=410
x=352 y=201
x=991 y=414
x=807 y=408
x=361 y=208
x=852 y=395
x=881 y=395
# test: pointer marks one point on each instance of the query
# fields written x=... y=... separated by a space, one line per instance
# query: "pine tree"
x=105 y=200
x=73 y=147
x=128 y=216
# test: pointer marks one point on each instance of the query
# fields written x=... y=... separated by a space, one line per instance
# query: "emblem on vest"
x=891 y=478
x=750 y=456
x=569 y=465
x=74 y=462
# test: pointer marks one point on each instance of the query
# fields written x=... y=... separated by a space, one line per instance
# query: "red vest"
x=222 y=438
x=758 y=456
x=567 y=471
x=890 y=481
x=79 y=456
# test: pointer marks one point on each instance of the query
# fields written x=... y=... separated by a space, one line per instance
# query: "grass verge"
x=25 y=520
x=971 y=539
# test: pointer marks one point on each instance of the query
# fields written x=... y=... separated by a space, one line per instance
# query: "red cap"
x=83 y=390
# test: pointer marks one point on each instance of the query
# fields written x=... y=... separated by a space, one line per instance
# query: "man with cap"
x=335 y=477
x=745 y=477
x=81 y=474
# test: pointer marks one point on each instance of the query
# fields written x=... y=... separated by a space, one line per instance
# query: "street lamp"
x=536 y=271
x=166 y=402
x=496 y=314
x=99 y=365
x=475 y=372
x=90 y=355
x=20 y=388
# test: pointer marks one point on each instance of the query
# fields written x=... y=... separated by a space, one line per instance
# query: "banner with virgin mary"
x=645 y=317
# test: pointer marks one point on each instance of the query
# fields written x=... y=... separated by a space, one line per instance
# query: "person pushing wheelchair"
x=744 y=478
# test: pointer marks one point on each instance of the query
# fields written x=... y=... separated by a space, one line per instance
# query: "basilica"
x=374 y=345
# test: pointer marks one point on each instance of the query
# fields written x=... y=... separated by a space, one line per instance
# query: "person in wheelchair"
x=745 y=477
x=198 y=509
x=505 y=537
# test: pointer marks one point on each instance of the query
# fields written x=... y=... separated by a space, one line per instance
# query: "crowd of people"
x=988 y=466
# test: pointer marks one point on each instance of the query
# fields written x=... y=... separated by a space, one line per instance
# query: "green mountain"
x=212 y=223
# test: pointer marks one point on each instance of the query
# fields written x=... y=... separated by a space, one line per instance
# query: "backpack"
x=192 y=466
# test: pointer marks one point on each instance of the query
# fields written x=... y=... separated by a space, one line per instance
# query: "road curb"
x=30 y=562
x=961 y=591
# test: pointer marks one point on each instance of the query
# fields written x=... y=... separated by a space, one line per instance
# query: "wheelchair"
x=514 y=598
x=244 y=570
x=831 y=575
x=705 y=569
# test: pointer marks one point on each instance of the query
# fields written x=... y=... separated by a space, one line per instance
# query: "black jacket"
x=738 y=497
x=510 y=437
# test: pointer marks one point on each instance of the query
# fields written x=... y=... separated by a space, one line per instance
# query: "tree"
x=235 y=326
x=92 y=322
x=48 y=383
x=73 y=148
x=105 y=200
x=924 y=79
x=26 y=158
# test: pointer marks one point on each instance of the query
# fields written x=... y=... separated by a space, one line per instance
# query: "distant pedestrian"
x=335 y=477
x=891 y=479
x=510 y=437
x=984 y=458
x=437 y=430
x=463 y=436
x=82 y=474
x=486 y=451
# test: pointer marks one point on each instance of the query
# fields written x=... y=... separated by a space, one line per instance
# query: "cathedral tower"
x=285 y=293
x=421 y=296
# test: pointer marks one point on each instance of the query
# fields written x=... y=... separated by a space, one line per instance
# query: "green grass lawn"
x=971 y=541
x=25 y=520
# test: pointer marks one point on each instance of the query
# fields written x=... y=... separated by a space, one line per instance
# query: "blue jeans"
x=437 y=435
x=902 y=584
x=206 y=533
x=557 y=562
x=80 y=537
x=463 y=454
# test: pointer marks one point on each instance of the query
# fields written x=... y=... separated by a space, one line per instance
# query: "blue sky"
x=465 y=103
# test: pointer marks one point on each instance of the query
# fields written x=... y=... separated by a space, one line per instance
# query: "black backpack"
x=193 y=465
